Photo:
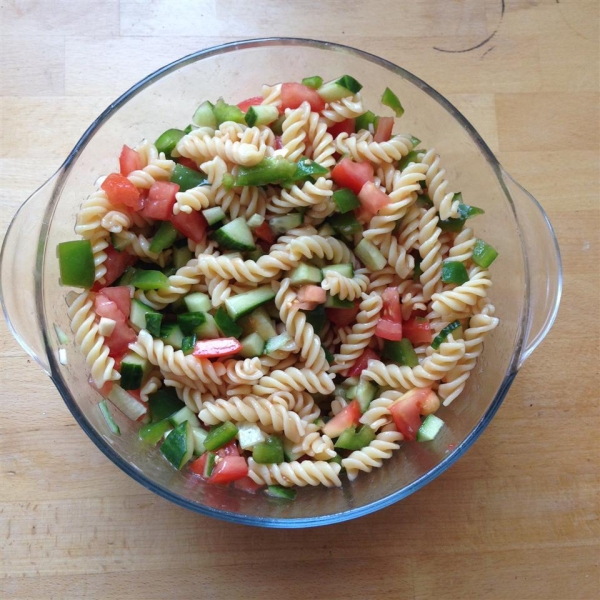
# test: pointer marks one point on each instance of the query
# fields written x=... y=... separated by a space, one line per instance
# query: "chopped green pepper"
x=391 y=100
x=401 y=352
x=268 y=452
x=167 y=141
x=454 y=272
x=227 y=326
x=277 y=491
x=363 y=121
x=76 y=262
x=153 y=433
x=268 y=170
x=187 y=178
x=227 y=112
x=345 y=225
x=164 y=237
x=149 y=280
x=484 y=254
x=411 y=157
x=110 y=421
x=346 y=200
x=220 y=436
x=353 y=439
x=314 y=82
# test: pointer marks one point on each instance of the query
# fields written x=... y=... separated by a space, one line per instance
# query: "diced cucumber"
x=134 y=369
x=439 y=339
x=188 y=343
x=126 y=403
x=401 y=352
x=335 y=302
x=153 y=324
x=181 y=256
x=209 y=465
x=171 y=334
x=326 y=230
x=255 y=221
x=199 y=437
x=258 y=321
x=197 y=302
x=277 y=342
x=339 y=88
x=163 y=403
x=249 y=434
x=205 y=116
x=154 y=432
x=255 y=254
x=304 y=274
x=263 y=114
x=138 y=313
x=236 y=235
x=164 y=237
x=484 y=254
x=286 y=222
x=120 y=241
x=242 y=304
x=429 y=428
x=178 y=448
x=149 y=280
x=353 y=439
x=209 y=330
x=214 y=214
x=184 y=414
x=268 y=452
x=110 y=421
x=366 y=391
x=227 y=326
x=317 y=318
x=219 y=436
x=202 y=324
x=277 y=491
x=345 y=225
x=369 y=254
x=347 y=270
x=252 y=345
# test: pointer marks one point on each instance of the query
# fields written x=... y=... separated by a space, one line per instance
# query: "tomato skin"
x=418 y=332
x=346 y=126
x=229 y=449
x=391 y=305
x=265 y=233
x=345 y=418
x=244 y=105
x=372 y=198
x=129 y=160
x=294 y=94
x=188 y=162
x=118 y=341
x=352 y=175
x=160 y=201
x=342 y=316
x=120 y=296
x=197 y=466
x=383 y=133
x=120 y=191
x=362 y=362
x=216 y=348
x=228 y=469
x=312 y=293
x=107 y=308
x=116 y=262
x=406 y=412
x=278 y=142
x=247 y=485
x=388 y=330
x=193 y=226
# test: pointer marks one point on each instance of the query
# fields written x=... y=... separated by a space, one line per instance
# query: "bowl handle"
x=21 y=270
x=542 y=262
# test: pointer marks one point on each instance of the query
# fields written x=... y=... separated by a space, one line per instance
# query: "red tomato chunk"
x=294 y=94
x=120 y=191
x=129 y=161
x=217 y=348
x=352 y=175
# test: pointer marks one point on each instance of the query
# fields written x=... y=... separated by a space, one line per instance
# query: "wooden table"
x=517 y=517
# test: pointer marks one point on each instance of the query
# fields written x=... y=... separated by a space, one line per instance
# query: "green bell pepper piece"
x=220 y=436
x=76 y=262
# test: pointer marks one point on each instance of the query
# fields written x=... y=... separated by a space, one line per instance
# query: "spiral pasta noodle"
x=430 y=251
x=461 y=298
x=345 y=288
x=296 y=473
x=361 y=148
x=320 y=145
x=296 y=379
x=373 y=455
x=294 y=131
x=341 y=110
x=437 y=187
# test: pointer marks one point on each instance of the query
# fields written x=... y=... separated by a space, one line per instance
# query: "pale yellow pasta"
x=437 y=187
x=309 y=194
x=151 y=385
x=373 y=455
x=320 y=146
x=302 y=403
x=461 y=298
x=295 y=379
x=462 y=248
x=315 y=444
x=345 y=288
x=246 y=371
x=272 y=95
x=321 y=247
x=341 y=110
x=303 y=473
x=158 y=169
x=194 y=199
x=361 y=147
x=430 y=251
x=294 y=131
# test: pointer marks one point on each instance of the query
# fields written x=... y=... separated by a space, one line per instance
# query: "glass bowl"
x=527 y=275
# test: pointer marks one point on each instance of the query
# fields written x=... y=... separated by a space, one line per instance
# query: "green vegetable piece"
x=484 y=254
x=187 y=178
x=314 y=82
x=220 y=436
x=392 y=101
x=317 y=318
x=153 y=323
x=209 y=465
x=227 y=112
x=178 y=448
x=337 y=459
x=188 y=343
x=363 y=121
x=205 y=115
x=154 y=432
x=268 y=170
x=127 y=276
x=454 y=272
x=414 y=140
x=411 y=157
x=424 y=201
x=452 y=225
x=417 y=271
x=277 y=125
x=163 y=403
x=110 y=421
x=336 y=302
x=189 y=322
x=346 y=200
x=353 y=439
x=167 y=141
x=330 y=358
x=268 y=452
x=227 y=326
x=439 y=339
x=401 y=352
x=345 y=225
x=261 y=115
x=76 y=262
x=164 y=237
x=306 y=168
x=429 y=429
x=277 y=491
x=149 y=280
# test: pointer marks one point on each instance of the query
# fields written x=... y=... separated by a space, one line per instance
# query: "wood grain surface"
x=515 y=518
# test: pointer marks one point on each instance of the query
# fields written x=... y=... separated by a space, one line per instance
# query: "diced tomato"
x=244 y=105
x=106 y=388
x=197 y=466
x=312 y=293
x=105 y=307
x=417 y=330
x=294 y=94
x=119 y=190
x=229 y=469
x=116 y=262
x=372 y=198
x=188 y=162
x=342 y=316
x=129 y=161
x=118 y=341
x=278 y=142
x=391 y=305
x=352 y=175
x=193 y=226
x=384 y=129
x=217 y=348
x=363 y=215
x=229 y=449
x=346 y=126
x=120 y=296
x=345 y=418
x=247 y=485
x=264 y=232
x=388 y=330
x=362 y=362
x=406 y=412
x=265 y=246
x=160 y=201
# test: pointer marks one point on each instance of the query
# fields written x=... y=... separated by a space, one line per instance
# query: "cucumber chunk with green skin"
x=268 y=452
x=184 y=414
x=401 y=352
x=429 y=429
x=181 y=257
x=317 y=318
x=199 y=438
x=134 y=369
x=153 y=323
x=255 y=221
x=167 y=141
x=249 y=434
x=187 y=178
x=439 y=339
x=171 y=334
x=154 y=432
x=110 y=421
x=347 y=270
x=205 y=115
x=213 y=215
x=209 y=465
x=277 y=491
x=366 y=391
x=286 y=222
x=242 y=304
x=339 y=88
x=227 y=326
x=197 y=302
x=178 y=448
x=236 y=235
x=188 y=343
x=336 y=302
x=252 y=345
x=227 y=112
x=454 y=272
x=484 y=254
x=220 y=436
x=346 y=200
x=370 y=255
x=149 y=280
x=345 y=225
x=392 y=101
x=277 y=342
x=314 y=82
x=261 y=115
x=164 y=237
x=126 y=403
x=363 y=121
x=355 y=439
x=163 y=403
x=189 y=322
x=304 y=274
x=258 y=321
x=76 y=262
